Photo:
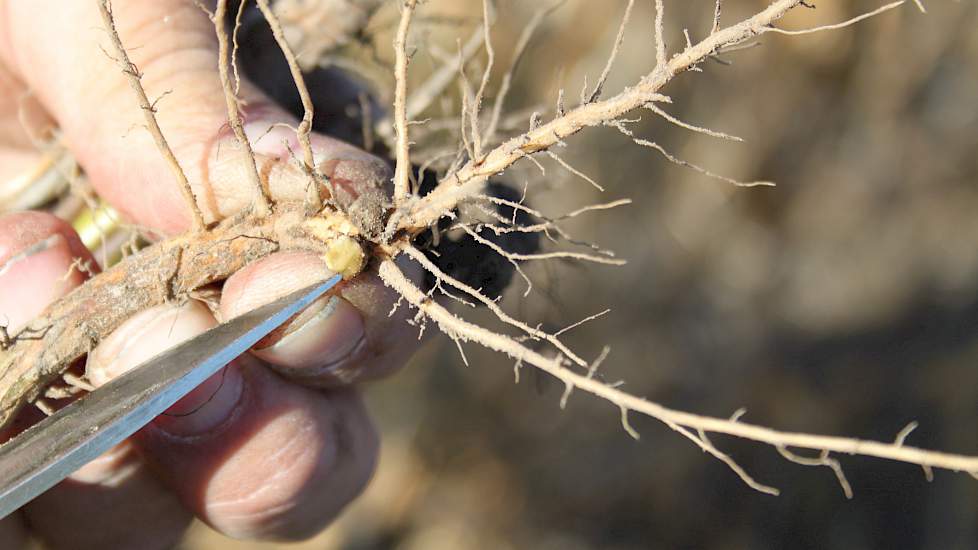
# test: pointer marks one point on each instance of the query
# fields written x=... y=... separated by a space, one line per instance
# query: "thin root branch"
x=402 y=170
x=464 y=330
x=823 y=460
x=261 y=202
x=843 y=24
x=313 y=202
x=135 y=81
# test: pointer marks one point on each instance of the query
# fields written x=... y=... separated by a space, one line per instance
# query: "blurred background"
x=843 y=301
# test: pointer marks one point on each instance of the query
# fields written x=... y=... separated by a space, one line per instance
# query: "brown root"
x=166 y=271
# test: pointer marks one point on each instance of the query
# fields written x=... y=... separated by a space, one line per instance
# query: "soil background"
x=843 y=301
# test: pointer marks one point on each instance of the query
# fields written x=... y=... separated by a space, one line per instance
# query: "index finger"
x=174 y=46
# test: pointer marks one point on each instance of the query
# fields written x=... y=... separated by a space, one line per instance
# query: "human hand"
x=276 y=444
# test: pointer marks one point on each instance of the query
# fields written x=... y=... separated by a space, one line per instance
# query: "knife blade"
x=46 y=453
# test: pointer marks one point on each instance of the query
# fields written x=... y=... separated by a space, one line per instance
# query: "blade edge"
x=40 y=457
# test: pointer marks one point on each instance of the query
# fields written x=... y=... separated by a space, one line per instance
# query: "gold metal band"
x=47 y=187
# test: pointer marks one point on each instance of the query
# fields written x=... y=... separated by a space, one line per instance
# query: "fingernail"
x=207 y=407
x=353 y=178
x=275 y=147
x=274 y=138
x=326 y=332
x=146 y=335
x=280 y=159
x=42 y=273
x=271 y=138
x=320 y=338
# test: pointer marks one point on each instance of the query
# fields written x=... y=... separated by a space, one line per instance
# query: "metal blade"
x=49 y=451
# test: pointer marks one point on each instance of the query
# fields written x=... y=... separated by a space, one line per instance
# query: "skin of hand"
x=275 y=445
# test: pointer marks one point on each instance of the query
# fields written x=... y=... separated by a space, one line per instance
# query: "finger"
x=283 y=469
x=38 y=255
x=251 y=454
x=112 y=502
x=173 y=43
x=93 y=507
x=152 y=331
x=344 y=337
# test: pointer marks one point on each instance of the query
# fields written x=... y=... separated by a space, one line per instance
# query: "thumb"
x=60 y=50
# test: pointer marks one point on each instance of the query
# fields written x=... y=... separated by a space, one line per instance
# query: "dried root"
x=173 y=268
